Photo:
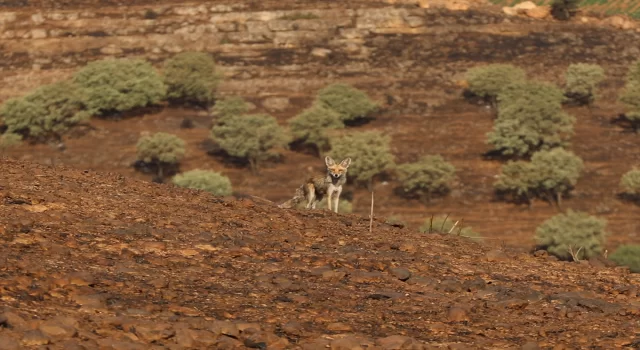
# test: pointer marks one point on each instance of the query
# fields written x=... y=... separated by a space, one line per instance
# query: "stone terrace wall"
x=265 y=52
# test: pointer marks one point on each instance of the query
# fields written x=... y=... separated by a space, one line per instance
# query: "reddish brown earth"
x=100 y=260
x=94 y=255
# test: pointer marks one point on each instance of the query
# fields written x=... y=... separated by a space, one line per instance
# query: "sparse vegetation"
x=489 y=80
x=229 y=107
x=444 y=224
x=190 y=77
x=344 y=206
x=351 y=104
x=627 y=255
x=254 y=137
x=549 y=175
x=205 y=180
x=572 y=233
x=162 y=150
x=313 y=124
x=630 y=96
x=113 y=86
x=630 y=183
x=8 y=140
x=582 y=81
x=370 y=150
x=530 y=119
x=46 y=113
x=430 y=176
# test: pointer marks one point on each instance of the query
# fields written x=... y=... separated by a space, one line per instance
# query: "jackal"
x=318 y=186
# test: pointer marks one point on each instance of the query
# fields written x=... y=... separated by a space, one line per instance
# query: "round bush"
x=118 y=85
x=489 y=80
x=627 y=255
x=9 y=140
x=350 y=103
x=630 y=182
x=530 y=118
x=46 y=113
x=190 y=77
x=312 y=124
x=574 y=231
x=205 y=180
x=429 y=176
x=229 y=107
x=370 y=150
x=160 y=148
x=253 y=137
x=582 y=82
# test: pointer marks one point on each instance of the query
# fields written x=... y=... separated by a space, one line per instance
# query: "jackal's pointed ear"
x=329 y=161
x=346 y=162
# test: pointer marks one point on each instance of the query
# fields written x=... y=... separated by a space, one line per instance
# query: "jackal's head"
x=337 y=170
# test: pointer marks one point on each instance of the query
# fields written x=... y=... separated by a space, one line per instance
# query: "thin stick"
x=454 y=226
x=371 y=215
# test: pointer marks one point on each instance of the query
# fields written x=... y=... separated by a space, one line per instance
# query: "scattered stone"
x=293 y=328
x=457 y=314
x=34 y=337
x=399 y=342
x=8 y=343
x=530 y=346
x=13 y=321
x=339 y=327
x=320 y=52
x=539 y=12
x=59 y=328
x=352 y=342
x=401 y=273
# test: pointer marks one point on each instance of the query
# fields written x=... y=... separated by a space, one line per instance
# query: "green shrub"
x=489 y=80
x=117 y=85
x=253 y=137
x=396 y=221
x=370 y=151
x=630 y=96
x=444 y=224
x=564 y=9
x=313 y=124
x=350 y=103
x=572 y=231
x=582 y=82
x=8 y=140
x=48 y=112
x=190 y=77
x=161 y=149
x=627 y=255
x=429 y=176
x=205 y=180
x=229 y=107
x=550 y=175
x=530 y=118
x=630 y=182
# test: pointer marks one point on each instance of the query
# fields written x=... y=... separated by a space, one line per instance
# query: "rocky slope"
x=97 y=260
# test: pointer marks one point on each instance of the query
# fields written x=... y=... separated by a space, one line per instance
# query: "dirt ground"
x=100 y=260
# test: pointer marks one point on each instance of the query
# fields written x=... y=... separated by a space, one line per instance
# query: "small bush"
x=229 y=107
x=161 y=149
x=530 y=118
x=313 y=124
x=443 y=224
x=630 y=182
x=205 y=180
x=253 y=137
x=550 y=175
x=429 y=176
x=344 y=205
x=630 y=96
x=117 y=85
x=582 y=82
x=564 y=9
x=574 y=231
x=627 y=255
x=48 y=112
x=350 y=103
x=9 y=140
x=370 y=151
x=190 y=77
x=488 y=81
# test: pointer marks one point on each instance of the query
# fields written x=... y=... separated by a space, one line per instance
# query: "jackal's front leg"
x=329 y=198
x=336 y=199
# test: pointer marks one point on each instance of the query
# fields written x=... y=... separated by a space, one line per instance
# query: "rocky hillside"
x=97 y=260
x=409 y=55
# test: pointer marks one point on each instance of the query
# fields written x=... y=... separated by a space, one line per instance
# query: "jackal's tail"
x=297 y=199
